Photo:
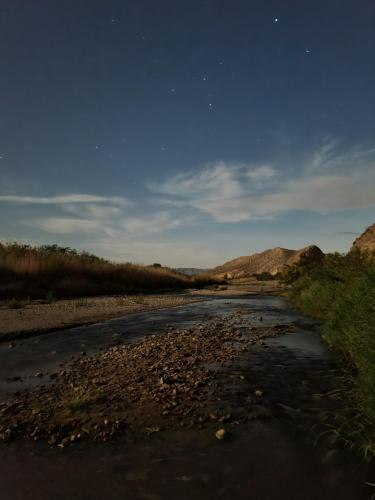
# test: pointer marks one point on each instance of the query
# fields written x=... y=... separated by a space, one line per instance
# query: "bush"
x=341 y=292
x=264 y=276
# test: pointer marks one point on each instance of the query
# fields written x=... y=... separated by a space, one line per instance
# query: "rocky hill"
x=366 y=242
x=271 y=261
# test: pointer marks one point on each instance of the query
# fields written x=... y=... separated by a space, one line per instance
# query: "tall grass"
x=341 y=293
x=38 y=272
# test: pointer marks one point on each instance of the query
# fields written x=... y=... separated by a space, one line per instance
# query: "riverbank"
x=340 y=292
x=23 y=319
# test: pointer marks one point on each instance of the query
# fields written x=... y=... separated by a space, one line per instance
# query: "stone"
x=220 y=434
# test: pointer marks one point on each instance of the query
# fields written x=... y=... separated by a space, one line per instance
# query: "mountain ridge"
x=270 y=261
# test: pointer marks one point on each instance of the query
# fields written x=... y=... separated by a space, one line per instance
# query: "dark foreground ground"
x=282 y=450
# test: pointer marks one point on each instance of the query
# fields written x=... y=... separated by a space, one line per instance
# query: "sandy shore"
x=26 y=318
x=41 y=317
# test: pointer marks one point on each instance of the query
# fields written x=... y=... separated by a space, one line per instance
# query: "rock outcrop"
x=270 y=261
x=366 y=242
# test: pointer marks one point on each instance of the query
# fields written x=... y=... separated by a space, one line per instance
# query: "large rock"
x=366 y=242
x=271 y=261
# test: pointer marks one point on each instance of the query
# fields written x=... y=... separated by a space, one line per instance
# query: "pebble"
x=220 y=434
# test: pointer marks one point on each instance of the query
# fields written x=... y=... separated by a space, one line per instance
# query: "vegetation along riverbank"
x=50 y=271
x=340 y=291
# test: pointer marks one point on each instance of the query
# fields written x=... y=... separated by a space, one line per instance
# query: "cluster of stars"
x=204 y=78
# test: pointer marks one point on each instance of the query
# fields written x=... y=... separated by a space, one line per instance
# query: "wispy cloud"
x=215 y=178
x=64 y=199
x=150 y=224
x=94 y=210
x=64 y=225
x=234 y=193
x=111 y=223
x=328 y=180
x=331 y=157
x=262 y=173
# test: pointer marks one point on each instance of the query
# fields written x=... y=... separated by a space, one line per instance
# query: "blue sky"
x=187 y=133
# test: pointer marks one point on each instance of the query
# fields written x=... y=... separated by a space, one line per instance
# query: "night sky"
x=187 y=132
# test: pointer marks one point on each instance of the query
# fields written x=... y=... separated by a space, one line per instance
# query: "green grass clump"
x=341 y=293
x=138 y=299
x=81 y=399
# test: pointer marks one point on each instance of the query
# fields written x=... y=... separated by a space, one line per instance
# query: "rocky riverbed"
x=166 y=381
x=224 y=398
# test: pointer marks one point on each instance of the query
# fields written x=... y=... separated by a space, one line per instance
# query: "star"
x=276 y=20
x=307 y=51
x=113 y=20
x=97 y=146
x=173 y=90
x=204 y=78
x=210 y=105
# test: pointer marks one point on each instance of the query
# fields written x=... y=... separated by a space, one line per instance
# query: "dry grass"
x=38 y=272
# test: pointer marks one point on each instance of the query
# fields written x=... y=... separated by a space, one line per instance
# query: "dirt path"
x=270 y=455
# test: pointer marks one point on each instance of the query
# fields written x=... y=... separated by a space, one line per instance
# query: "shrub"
x=264 y=276
x=341 y=292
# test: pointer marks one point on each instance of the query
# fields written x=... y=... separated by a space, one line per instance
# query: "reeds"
x=38 y=272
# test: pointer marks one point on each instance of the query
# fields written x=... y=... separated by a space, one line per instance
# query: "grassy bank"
x=50 y=272
x=341 y=293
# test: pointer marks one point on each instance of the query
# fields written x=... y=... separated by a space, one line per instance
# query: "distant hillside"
x=271 y=261
x=191 y=271
x=366 y=242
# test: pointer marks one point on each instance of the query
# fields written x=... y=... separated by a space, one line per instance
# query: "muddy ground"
x=270 y=397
